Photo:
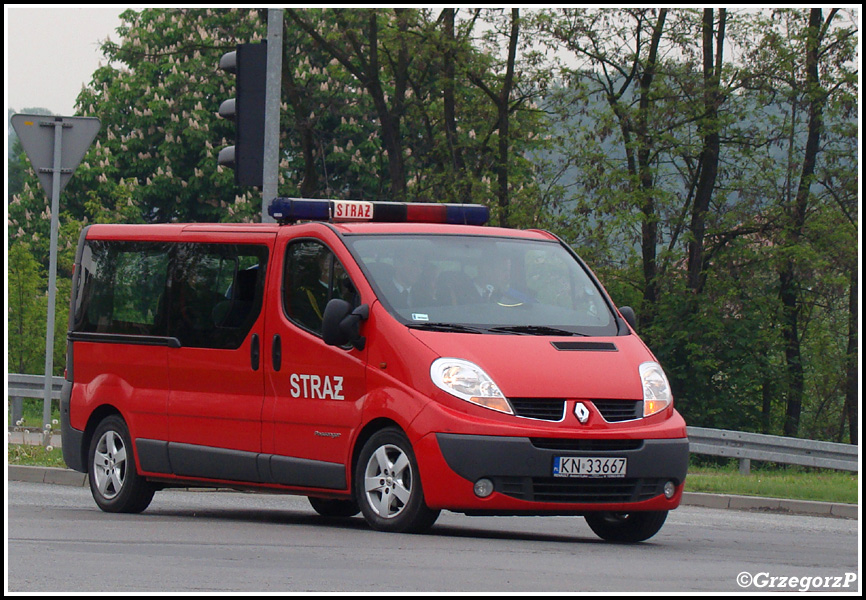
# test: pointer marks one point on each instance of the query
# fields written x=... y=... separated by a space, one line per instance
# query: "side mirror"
x=628 y=314
x=341 y=325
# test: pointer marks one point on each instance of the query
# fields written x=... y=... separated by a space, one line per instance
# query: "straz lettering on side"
x=316 y=386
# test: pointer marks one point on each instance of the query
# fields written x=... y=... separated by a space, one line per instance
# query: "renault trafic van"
x=390 y=359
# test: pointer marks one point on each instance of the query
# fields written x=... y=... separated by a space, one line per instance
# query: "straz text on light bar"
x=290 y=210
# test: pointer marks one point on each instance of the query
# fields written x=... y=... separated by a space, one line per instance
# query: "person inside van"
x=494 y=283
x=312 y=294
x=406 y=280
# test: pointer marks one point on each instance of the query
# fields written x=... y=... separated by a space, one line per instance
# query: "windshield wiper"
x=518 y=329
x=534 y=330
x=452 y=327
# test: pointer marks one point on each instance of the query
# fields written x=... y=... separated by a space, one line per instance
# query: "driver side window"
x=312 y=277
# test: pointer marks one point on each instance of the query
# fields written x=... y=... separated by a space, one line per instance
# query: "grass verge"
x=35 y=456
x=794 y=483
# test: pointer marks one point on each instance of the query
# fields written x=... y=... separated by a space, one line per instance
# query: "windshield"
x=479 y=284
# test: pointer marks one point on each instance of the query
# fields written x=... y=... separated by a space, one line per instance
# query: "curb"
x=754 y=503
x=780 y=505
x=46 y=475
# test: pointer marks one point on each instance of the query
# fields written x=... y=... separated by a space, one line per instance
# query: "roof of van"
x=362 y=228
x=165 y=231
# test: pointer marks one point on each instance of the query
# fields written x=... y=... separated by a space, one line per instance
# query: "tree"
x=503 y=102
x=157 y=100
x=413 y=70
x=795 y=51
x=713 y=149
x=709 y=127
x=26 y=318
x=622 y=50
x=355 y=43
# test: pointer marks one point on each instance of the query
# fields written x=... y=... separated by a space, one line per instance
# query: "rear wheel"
x=626 y=527
x=114 y=482
x=388 y=487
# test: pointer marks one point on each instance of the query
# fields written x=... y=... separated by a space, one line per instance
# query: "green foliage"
x=28 y=304
x=158 y=100
x=722 y=343
x=26 y=319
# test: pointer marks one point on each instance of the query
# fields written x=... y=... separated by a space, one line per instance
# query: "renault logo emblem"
x=581 y=412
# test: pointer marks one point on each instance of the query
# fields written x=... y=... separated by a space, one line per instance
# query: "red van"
x=383 y=358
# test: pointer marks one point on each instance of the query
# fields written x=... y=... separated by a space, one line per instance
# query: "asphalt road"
x=209 y=541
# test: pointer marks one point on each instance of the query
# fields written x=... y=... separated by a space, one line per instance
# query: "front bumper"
x=521 y=471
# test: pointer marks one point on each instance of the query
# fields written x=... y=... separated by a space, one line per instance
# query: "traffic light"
x=247 y=110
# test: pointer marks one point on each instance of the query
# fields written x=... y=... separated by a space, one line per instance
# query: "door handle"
x=276 y=352
x=254 y=352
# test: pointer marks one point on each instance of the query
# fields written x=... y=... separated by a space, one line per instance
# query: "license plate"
x=582 y=466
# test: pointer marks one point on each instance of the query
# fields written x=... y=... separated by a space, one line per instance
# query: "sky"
x=52 y=50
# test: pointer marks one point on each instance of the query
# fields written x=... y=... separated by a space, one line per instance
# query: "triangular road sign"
x=37 y=136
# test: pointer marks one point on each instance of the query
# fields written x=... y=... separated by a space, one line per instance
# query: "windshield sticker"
x=420 y=317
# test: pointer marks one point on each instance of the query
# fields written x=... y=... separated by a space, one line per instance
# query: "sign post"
x=54 y=157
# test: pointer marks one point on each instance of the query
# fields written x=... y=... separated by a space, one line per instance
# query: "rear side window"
x=205 y=295
x=121 y=288
x=216 y=293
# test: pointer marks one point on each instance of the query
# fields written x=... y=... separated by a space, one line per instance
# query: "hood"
x=529 y=366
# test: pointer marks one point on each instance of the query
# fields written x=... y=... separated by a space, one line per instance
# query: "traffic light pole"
x=255 y=109
x=271 y=162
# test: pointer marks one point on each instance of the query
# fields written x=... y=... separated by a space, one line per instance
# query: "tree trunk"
x=501 y=100
x=503 y=110
x=851 y=397
x=448 y=99
x=788 y=277
x=709 y=161
x=649 y=227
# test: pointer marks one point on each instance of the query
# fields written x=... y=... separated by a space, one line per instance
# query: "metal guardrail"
x=715 y=442
x=32 y=386
x=786 y=450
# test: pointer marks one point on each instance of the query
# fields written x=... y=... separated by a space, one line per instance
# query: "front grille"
x=546 y=409
x=619 y=410
x=578 y=490
x=585 y=445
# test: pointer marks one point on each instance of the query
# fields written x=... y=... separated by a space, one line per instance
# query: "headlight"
x=468 y=382
x=656 y=390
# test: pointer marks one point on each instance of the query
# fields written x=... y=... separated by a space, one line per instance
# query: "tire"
x=334 y=508
x=388 y=487
x=114 y=481
x=626 y=527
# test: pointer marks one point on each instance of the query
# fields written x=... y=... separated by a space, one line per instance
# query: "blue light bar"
x=290 y=210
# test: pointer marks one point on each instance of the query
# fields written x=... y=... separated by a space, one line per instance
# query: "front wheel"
x=626 y=527
x=114 y=482
x=388 y=486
